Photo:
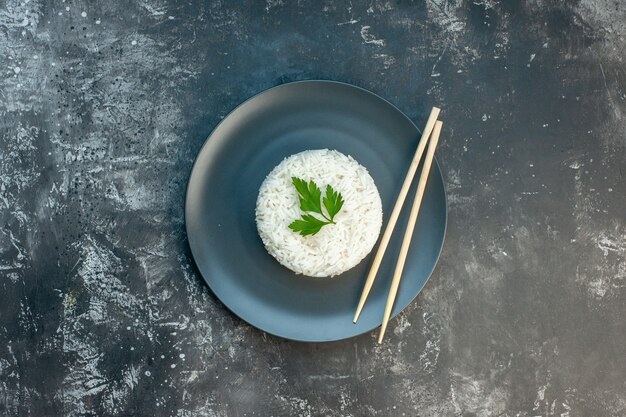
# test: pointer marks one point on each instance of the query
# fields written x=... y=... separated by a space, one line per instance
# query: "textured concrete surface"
x=104 y=105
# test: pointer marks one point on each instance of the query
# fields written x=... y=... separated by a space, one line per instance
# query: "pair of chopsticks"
x=432 y=126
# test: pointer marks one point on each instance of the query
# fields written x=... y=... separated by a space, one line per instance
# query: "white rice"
x=336 y=248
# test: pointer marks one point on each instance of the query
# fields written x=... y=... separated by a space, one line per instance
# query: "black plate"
x=222 y=193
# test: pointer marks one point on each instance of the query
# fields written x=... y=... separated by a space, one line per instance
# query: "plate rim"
x=206 y=143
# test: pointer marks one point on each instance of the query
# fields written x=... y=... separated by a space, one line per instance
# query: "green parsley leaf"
x=307 y=225
x=309 y=195
x=333 y=202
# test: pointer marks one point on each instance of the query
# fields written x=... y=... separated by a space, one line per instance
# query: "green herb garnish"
x=310 y=194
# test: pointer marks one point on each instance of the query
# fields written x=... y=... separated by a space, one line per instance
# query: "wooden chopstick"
x=393 y=219
x=408 y=234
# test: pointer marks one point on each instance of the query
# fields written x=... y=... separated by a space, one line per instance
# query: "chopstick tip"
x=381 y=335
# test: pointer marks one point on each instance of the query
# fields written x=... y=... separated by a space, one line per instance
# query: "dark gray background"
x=104 y=105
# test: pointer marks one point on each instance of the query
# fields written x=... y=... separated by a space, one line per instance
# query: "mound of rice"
x=336 y=248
